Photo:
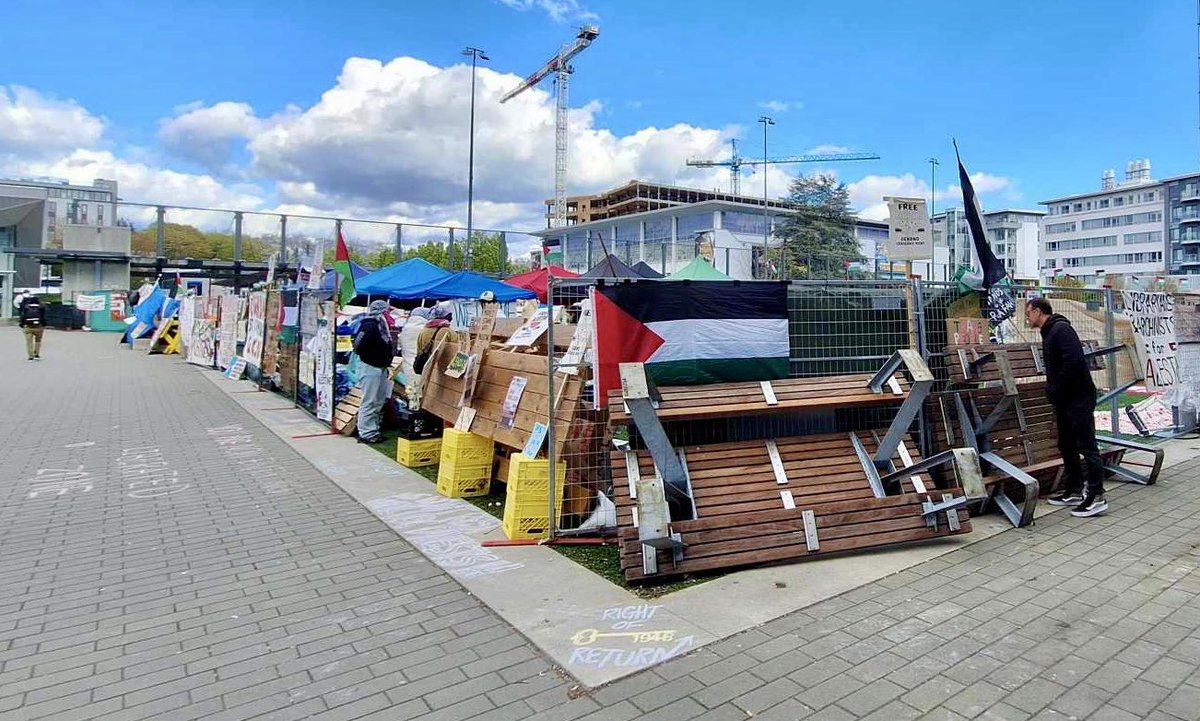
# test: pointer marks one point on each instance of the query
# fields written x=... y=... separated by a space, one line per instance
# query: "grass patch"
x=604 y=560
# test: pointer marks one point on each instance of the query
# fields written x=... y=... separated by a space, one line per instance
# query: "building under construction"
x=638 y=196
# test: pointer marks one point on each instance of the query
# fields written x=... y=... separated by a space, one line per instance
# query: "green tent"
x=698 y=269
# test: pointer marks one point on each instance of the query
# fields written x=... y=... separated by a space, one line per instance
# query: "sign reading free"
x=908 y=230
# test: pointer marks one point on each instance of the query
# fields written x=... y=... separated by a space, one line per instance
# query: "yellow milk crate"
x=458 y=480
x=525 y=520
x=532 y=475
x=416 y=454
x=465 y=447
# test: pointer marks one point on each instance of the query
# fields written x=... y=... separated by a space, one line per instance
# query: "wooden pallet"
x=346 y=412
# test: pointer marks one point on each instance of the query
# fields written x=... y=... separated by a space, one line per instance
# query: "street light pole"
x=766 y=217
x=933 y=163
x=476 y=55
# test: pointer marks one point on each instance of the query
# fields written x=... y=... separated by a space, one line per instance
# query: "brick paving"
x=146 y=573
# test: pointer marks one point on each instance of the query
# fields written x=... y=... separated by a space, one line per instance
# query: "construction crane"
x=736 y=162
x=560 y=64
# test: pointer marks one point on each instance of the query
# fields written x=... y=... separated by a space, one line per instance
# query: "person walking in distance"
x=32 y=318
x=1071 y=391
x=373 y=346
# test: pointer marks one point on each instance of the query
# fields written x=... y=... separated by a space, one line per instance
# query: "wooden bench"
x=687 y=508
x=997 y=404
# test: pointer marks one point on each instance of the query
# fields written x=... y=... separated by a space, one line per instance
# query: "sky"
x=361 y=108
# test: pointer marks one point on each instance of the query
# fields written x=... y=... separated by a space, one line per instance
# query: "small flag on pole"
x=341 y=264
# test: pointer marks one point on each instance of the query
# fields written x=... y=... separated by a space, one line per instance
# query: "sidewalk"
x=220 y=586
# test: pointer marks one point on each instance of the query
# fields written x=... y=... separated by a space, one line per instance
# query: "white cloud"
x=866 y=194
x=399 y=131
x=32 y=124
x=560 y=11
x=209 y=135
x=775 y=106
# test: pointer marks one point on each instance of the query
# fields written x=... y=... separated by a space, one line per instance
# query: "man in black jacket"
x=373 y=346
x=32 y=318
x=1071 y=391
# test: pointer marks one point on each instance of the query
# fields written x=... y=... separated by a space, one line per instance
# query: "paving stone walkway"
x=149 y=569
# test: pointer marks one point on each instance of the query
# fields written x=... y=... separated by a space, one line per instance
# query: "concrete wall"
x=93 y=237
x=82 y=276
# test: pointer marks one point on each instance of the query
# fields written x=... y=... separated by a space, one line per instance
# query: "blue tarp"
x=329 y=279
x=415 y=279
x=147 y=310
x=400 y=278
x=472 y=286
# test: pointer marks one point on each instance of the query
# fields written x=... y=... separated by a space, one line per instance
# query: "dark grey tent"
x=611 y=267
x=645 y=270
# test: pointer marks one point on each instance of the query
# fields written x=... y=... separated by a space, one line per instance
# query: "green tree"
x=488 y=253
x=818 y=237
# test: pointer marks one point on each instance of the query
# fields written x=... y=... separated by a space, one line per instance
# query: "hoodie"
x=1067 y=376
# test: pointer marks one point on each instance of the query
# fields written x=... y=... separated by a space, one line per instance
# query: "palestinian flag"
x=691 y=332
x=341 y=264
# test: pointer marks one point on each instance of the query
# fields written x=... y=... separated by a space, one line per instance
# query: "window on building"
x=1064 y=209
x=83 y=213
x=99 y=215
x=1103 y=203
x=1053 y=228
x=1118 y=201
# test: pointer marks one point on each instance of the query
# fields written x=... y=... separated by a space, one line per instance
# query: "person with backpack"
x=374 y=347
x=31 y=316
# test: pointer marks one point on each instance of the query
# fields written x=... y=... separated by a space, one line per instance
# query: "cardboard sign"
x=536 y=439
x=908 y=230
x=236 y=369
x=532 y=330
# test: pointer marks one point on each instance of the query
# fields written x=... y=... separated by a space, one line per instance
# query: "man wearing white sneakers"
x=1071 y=391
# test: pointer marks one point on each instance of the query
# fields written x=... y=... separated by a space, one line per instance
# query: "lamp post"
x=933 y=163
x=766 y=217
x=476 y=55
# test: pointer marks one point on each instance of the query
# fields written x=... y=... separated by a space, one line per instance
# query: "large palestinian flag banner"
x=691 y=332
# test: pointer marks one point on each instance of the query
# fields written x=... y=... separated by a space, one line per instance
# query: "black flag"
x=993 y=269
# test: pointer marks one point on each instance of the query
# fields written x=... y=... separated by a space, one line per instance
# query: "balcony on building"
x=1186 y=236
x=1189 y=214
x=1190 y=193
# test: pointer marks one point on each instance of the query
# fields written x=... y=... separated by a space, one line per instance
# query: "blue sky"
x=1042 y=96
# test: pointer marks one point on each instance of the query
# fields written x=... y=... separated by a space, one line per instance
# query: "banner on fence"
x=227 y=345
x=187 y=319
x=1152 y=316
x=90 y=302
x=256 y=329
x=324 y=362
x=691 y=333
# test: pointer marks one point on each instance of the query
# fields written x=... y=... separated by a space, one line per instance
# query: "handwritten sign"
x=508 y=411
x=532 y=330
x=1152 y=316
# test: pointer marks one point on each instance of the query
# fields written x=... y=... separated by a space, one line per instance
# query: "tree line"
x=488 y=254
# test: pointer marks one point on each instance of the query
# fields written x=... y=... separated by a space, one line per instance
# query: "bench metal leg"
x=1019 y=514
x=1125 y=474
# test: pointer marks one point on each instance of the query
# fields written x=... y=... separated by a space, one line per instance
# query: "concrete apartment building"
x=645 y=222
x=639 y=197
x=1117 y=230
x=49 y=218
x=1182 y=219
x=1013 y=234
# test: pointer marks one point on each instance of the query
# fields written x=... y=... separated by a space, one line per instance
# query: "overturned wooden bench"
x=688 y=508
x=997 y=404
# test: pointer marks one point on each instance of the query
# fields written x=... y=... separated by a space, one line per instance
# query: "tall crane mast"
x=560 y=64
x=736 y=162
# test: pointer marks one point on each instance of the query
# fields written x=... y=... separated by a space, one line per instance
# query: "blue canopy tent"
x=472 y=286
x=329 y=280
x=416 y=279
x=399 y=278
